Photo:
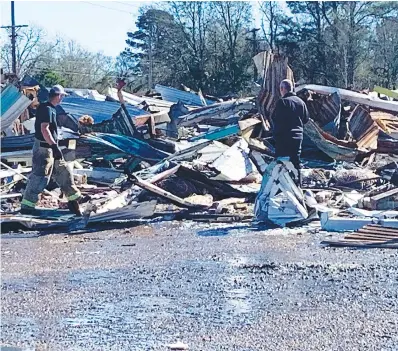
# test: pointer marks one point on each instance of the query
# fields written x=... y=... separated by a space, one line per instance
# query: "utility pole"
x=254 y=48
x=150 y=77
x=13 y=38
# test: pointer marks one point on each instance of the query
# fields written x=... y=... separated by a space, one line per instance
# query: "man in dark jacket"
x=288 y=118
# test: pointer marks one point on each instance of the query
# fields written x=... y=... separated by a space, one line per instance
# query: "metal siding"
x=99 y=110
x=12 y=103
x=175 y=95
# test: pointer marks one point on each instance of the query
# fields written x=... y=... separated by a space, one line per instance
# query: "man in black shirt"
x=48 y=158
x=289 y=116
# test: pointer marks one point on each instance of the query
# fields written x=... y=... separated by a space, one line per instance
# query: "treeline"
x=58 y=61
x=210 y=45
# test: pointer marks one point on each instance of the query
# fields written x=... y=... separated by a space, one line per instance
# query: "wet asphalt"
x=212 y=287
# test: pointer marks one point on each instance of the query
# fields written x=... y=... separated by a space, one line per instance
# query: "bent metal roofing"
x=99 y=110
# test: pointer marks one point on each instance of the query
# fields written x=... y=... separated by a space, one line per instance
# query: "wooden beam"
x=165 y=194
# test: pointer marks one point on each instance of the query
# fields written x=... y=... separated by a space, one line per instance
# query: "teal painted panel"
x=218 y=133
x=9 y=96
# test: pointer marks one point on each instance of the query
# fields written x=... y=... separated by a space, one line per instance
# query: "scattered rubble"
x=210 y=159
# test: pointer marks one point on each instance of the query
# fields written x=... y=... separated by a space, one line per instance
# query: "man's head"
x=57 y=93
x=286 y=86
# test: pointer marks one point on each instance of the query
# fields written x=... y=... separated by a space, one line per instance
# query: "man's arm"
x=306 y=115
x=120 y=84
x=45 y=130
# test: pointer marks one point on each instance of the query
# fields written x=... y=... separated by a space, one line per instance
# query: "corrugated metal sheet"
x=17 y=142
x=175 y=95
x=86 y=94
x=13 y=103
x=363 y=128
x=99 y=110
x=337 y=149
x=136 y=100
x=352 y=96
x=326 y=109
x=125 y=144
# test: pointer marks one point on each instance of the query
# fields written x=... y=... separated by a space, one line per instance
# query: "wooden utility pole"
x=13 y=38
x=254 y=48
x=150 y=76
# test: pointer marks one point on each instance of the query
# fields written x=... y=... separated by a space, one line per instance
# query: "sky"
x=96 y=25
x=99 y=26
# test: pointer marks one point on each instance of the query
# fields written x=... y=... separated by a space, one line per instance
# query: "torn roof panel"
x=352 y=96
x=363 y=128
x=13 y=103
x=86 y=94
x=326 y=109
x=175 y=95
x=337 y=149
x=136 y=100
x=99 y=110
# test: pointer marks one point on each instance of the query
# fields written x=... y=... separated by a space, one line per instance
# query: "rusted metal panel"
x=363 y=129
x=272 y=68
x=326 y=109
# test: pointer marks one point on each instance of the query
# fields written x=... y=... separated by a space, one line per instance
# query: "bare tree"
x=31 y=48
x=270 y=21
x=234 y=18
x=194 y=17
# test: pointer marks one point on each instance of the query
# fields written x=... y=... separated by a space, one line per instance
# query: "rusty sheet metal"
x=369 y=236
x=273 y=68
x=363 y=129
x=339 y=150
x=386 y=144
x=266 y=104
x=326 y=109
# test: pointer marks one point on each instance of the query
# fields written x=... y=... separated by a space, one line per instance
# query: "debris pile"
x=183 y=155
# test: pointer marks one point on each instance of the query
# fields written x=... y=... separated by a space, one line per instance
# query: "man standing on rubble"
x=48 y=159
x=289 y=116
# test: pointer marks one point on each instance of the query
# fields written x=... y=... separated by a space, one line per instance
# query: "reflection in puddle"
x=239 y=301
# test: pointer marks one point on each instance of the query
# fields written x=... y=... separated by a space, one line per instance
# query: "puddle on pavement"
x=233 y=230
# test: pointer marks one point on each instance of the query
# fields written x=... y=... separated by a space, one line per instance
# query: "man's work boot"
x=73 y=206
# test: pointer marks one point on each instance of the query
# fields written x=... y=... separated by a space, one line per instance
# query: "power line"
x=120 y=2
x=38 y=70
x=106 y=7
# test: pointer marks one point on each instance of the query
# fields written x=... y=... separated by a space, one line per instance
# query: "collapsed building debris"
x=210 y=160
x=368 y=236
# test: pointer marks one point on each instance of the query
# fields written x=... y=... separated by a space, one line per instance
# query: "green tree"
x=150 y=53
x=48 y=78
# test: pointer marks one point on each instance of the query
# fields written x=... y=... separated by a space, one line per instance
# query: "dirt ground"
x=212 y=287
